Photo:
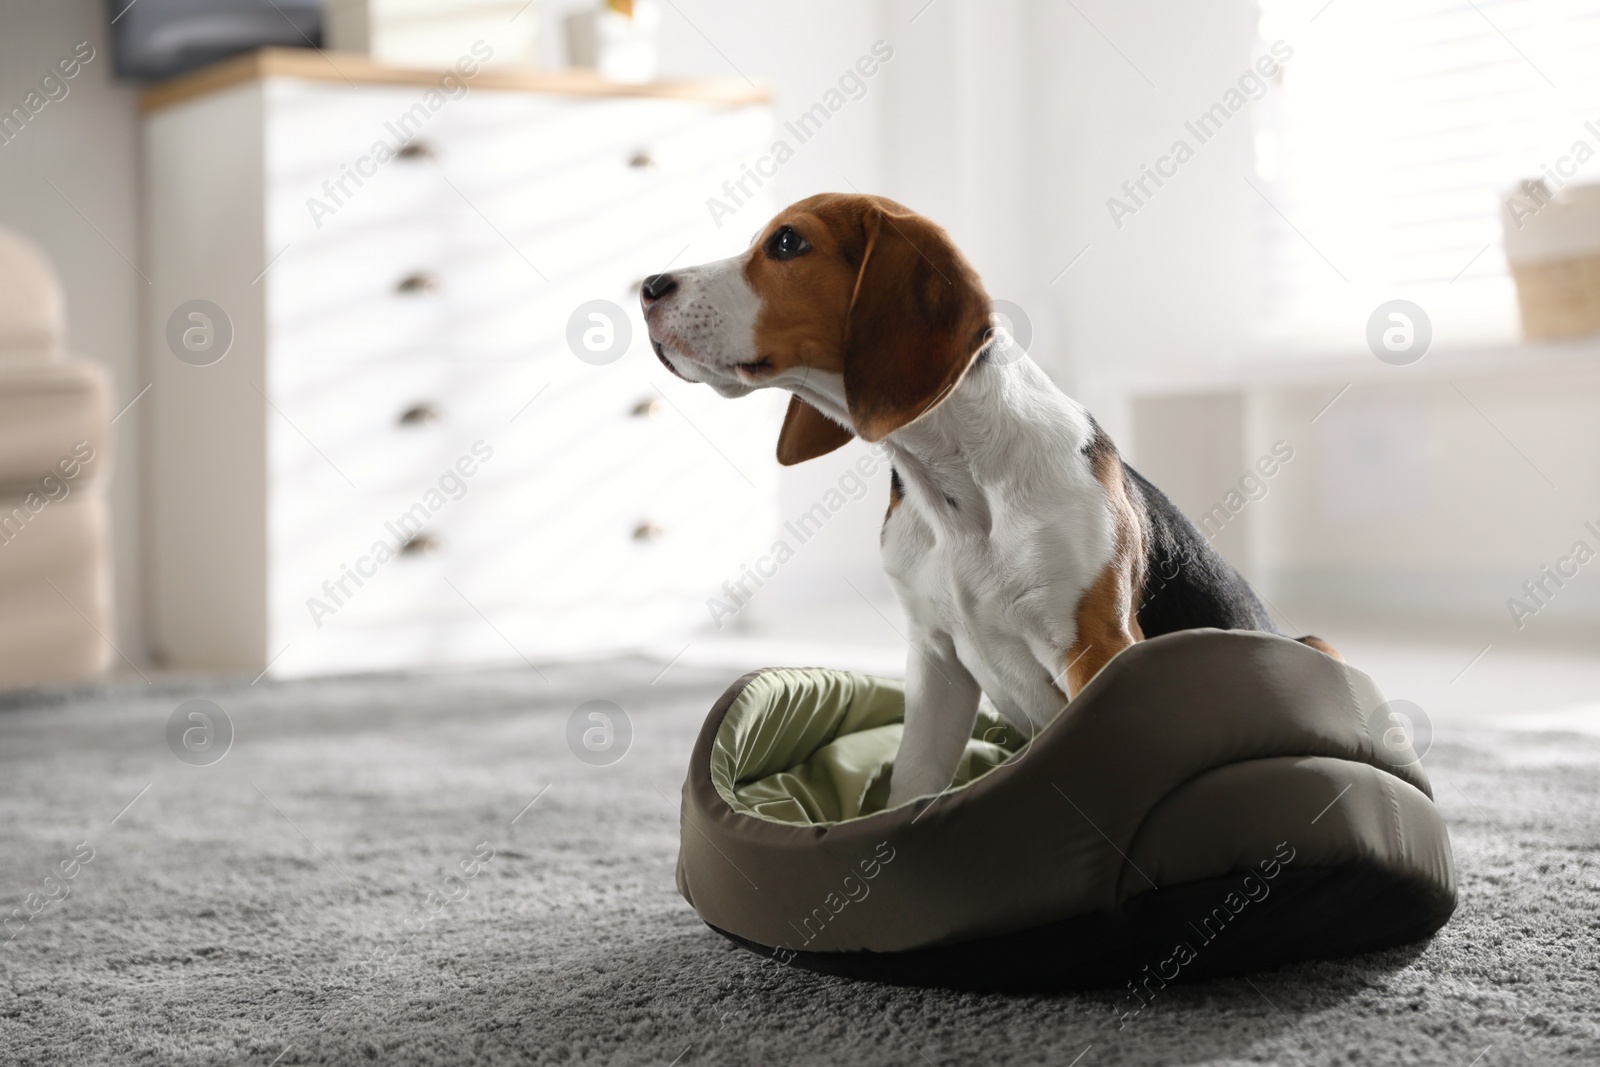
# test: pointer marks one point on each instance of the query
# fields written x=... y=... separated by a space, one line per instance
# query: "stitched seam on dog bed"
x=1394 y=810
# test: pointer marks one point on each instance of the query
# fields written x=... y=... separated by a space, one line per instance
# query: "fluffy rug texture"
x=361 y=878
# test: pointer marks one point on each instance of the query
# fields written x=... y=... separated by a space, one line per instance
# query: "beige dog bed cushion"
x=1212 y=803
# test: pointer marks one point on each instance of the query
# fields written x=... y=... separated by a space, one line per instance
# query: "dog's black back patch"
x=1188 y=585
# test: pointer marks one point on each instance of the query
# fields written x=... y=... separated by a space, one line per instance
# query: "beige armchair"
x=55 y=459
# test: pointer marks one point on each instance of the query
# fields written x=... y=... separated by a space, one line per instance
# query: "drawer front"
x=538 y=166
x=343 y=429
x=567 y=546
x=374 y=293
x=340 y=162
x=513 y=639
x=333 y=152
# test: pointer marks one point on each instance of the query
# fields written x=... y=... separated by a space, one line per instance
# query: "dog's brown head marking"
x=864 y=288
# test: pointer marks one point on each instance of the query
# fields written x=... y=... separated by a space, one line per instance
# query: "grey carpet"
x=233 y=913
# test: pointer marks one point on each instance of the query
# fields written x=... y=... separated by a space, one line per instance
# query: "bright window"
x=1393 y=137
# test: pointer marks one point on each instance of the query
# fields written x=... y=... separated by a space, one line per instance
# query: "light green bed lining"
x=813 y=747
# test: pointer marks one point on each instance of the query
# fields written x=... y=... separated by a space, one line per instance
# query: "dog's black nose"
x=657 y=286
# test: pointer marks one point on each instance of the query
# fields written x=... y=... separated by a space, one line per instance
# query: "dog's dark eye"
x=787 y=243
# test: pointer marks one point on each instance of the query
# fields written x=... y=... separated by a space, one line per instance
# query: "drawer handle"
x=415 y=150
x=646 y=408
x=421 y=415
x=642 y=160
x=422 y=545
x=648 y=531
x=418 y=283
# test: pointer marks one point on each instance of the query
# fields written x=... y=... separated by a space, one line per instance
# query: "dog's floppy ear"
x=807 y=433
x=917 y=319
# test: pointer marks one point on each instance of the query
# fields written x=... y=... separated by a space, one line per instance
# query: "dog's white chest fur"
x=1002 y=530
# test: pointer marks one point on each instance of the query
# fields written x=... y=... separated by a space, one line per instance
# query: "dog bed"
x=1212 y=803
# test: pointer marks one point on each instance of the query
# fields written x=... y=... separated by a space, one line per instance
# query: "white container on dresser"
x=400 y=461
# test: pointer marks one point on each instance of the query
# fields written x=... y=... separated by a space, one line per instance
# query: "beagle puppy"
x=1025 y=551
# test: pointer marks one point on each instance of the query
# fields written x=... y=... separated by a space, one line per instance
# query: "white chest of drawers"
x=400 y=461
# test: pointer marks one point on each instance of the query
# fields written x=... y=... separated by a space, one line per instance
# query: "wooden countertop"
x=318 y=65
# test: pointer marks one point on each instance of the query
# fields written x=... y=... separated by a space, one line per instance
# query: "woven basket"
x=1560 y=298
x=1552 y=242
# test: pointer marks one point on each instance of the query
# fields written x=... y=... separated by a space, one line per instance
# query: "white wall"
x=86 y=146
x=1174 y=284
